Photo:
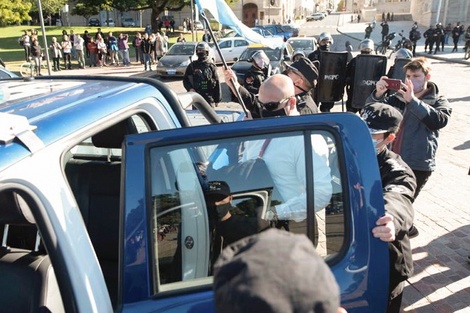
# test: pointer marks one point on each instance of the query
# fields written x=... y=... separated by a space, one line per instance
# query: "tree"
x=14 y=12
x=84 y=10
x=157 y=6
x=49 y=7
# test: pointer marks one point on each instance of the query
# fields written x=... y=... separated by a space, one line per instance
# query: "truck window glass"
x=186 y=226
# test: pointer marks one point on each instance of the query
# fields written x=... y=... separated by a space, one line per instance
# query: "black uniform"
x=399 y=184
x=428 y=38
x=415 y=35
x=201 y=75
x=316 y=56
x=253 y=79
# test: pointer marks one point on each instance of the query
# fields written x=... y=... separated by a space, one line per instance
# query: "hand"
x=385 y=229
x=381 y=87
x=229 y=75
x=407 y=90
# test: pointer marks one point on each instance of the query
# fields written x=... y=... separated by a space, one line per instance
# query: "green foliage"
x=340 y=5
x=14 y=12
x=84 y=10
x=49 y=7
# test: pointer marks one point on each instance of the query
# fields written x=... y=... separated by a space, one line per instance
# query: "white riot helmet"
x=403 y=53
x=260 y=59
x=298 y=54
x=326 y=36
x=366 y=46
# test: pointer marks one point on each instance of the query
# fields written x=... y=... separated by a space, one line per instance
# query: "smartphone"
x=393 y=84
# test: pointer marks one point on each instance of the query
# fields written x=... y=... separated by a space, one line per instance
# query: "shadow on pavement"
x=442 y=275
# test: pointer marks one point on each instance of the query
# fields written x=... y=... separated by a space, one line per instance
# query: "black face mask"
x=325 y=48
x=201 y=55
x=280 y=112
x=223 y=209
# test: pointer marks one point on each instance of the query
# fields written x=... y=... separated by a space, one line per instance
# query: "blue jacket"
x=419 y=130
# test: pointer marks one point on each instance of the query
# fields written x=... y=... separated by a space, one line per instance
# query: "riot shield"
x=369 y=69
x=332 y=76
x=398 y=72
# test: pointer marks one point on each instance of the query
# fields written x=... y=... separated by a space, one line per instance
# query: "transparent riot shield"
x=369 y=69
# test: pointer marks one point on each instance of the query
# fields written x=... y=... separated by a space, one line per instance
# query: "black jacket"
x=201 y=75
x=306 y=104
x=398 y=186
x=253 y=79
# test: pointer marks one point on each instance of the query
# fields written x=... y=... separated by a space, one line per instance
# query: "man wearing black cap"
x=249 y=278
x=230 y=227
x=304 y=74
x=399 y=185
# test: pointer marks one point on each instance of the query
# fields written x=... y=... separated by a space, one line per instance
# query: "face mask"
x=280 y=112
x=223 y=209
x=201 y=55
x=324 y=48
x=377 y=145
x=418 y=84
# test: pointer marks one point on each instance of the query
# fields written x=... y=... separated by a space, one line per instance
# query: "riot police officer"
x=325 y=41
x=366 y=46
x=201 y=76
x=298 y=54
x=258 y=71
x=397 y=71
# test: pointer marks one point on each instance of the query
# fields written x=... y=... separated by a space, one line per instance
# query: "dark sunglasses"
x=273 y=106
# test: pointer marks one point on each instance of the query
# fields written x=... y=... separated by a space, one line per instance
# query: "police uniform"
x=316 y=56
x=201 y=75
x=253 y=79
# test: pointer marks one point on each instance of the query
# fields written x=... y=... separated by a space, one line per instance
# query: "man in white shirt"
x=285 y=157
x=78 y=45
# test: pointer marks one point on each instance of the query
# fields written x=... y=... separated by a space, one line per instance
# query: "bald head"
x=276 y=88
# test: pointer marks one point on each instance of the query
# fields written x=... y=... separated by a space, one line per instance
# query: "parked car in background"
x=177 y=58
x=279 y=57
x=315 y=17
x=231 y=48
x=102 y=196
x=109 y=23
x=278 y=30
x=307 y=44
x=128 y=22
x=294 y=29
x=94 y=22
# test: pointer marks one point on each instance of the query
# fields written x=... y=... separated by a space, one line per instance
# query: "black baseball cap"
x=307 y=68
x=381 y=118
x=217 y=190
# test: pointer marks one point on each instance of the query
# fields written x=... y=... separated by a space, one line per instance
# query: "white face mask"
x=378 y=145
x=418 y=84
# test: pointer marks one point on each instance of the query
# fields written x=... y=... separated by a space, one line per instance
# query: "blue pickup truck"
x=103 y=207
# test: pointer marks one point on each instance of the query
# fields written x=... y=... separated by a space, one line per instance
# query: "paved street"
x=441 y=282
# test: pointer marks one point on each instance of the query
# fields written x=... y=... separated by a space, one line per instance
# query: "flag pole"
x=240 y=99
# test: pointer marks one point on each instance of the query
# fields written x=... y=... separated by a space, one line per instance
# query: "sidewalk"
x=357 y=31
x=441 y=279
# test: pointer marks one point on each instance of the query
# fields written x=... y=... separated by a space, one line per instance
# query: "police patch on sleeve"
x=395 y=188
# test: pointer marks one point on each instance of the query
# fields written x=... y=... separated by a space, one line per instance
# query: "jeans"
x=125 y=56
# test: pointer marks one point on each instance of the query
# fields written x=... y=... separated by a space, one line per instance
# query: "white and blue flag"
x=225 y=16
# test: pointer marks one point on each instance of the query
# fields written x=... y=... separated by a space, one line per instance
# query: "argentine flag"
x=225 y=16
